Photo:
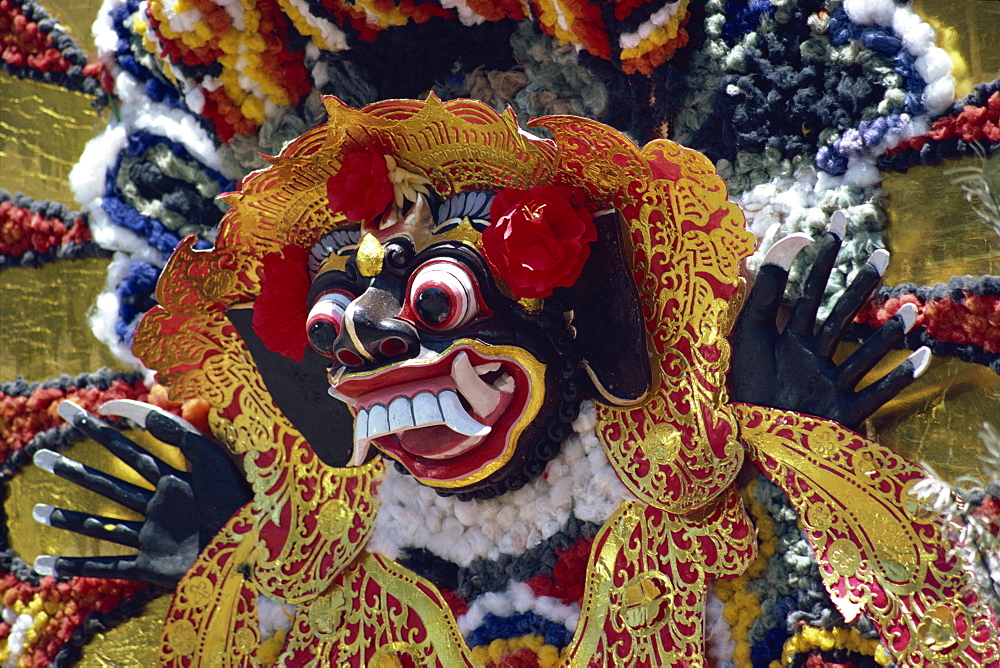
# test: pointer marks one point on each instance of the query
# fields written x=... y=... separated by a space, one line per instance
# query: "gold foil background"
x=934 y=233
x=136 y=642
x=32 y=485
x=967 y=30
x=44 y=330
x=937 y=419
x=43 y=130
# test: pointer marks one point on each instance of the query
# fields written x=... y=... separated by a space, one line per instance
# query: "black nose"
x=372 y=333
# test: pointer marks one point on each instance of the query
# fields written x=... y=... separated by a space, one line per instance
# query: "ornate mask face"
x=443 y=372
x=459 y=286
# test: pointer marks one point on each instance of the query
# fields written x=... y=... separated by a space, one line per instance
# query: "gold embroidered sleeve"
x=877 y=550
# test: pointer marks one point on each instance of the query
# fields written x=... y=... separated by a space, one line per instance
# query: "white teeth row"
x=424 y=410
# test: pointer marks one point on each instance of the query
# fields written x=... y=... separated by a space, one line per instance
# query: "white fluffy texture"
x=871 y=12
x=465 y=14
x=658 y=19
x=105 y=37
x=862 y=172
x=273 y=616
x=20 y=625
x=104 y=314
x=917 y=35
x=939 y=95
x=718 y=634
x=333 y=37
x=87 y=178
x=516 y=599
x=580 y=482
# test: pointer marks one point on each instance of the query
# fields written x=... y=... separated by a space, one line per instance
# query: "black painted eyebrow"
x=330 y=280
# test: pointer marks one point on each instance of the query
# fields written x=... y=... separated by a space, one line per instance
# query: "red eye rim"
x=456 y=280
x=329 y=307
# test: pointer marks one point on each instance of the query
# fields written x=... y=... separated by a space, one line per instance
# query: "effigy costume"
x=663 y=417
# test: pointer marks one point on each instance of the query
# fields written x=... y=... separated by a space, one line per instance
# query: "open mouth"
x=449 y=419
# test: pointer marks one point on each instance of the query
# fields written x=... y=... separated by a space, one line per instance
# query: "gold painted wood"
x=77 y=16
x=44 y=330
x=967 y=30
x=934 y=233
x=132 y=643
x=43 y=130
x=937 y=419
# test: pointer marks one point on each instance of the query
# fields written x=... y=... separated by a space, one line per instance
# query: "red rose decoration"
x=280 y=312
x=538 y=240
x=361 y=188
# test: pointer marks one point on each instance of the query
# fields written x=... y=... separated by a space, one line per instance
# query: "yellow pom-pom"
x=548 y=656
x=497 y=649
x=270 y=649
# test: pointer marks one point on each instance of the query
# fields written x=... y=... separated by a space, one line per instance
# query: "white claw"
x=908 y=314
x=457 y=419
x=838 y=223
x=42 y=513
x=880 y=260
x=68 y=411
x=921 y=359
x=139 y=411
x=784 y=250
x=45 y=564
x=47 y=459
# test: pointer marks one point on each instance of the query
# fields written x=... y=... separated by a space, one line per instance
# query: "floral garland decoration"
x=959 y=319
x=35 y=46
x=36 y=232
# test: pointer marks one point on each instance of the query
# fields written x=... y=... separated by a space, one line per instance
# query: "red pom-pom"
x=280 y=312
x=538 y=240
x=361 y=189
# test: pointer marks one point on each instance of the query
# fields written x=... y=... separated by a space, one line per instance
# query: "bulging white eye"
x=326 y=318
x=442 y=295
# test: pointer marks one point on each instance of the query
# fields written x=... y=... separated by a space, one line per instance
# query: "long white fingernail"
x=45 y=564
x=42 y=513
x=908 y=314
x=838 y=223
x=880 y=260
x=68 y=411
x=784 y=250
x=46 y=459
x=921 y=359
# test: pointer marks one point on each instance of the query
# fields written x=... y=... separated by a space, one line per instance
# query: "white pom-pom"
x=862 y=173
x=939 y=95
x=870 y=12
x=934 y=64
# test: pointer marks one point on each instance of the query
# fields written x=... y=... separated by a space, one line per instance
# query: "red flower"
x=280 y=313
x=361 y=188
x=538 y=240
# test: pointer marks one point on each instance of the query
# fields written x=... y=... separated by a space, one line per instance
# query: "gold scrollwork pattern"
x=677 y=450
x=213 y=617
x=876 y=552
x=647 y=580
x=313 y=519
x=375 y=614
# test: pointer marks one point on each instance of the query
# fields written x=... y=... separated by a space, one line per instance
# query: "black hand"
x=181 y=515
x=793 y=368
